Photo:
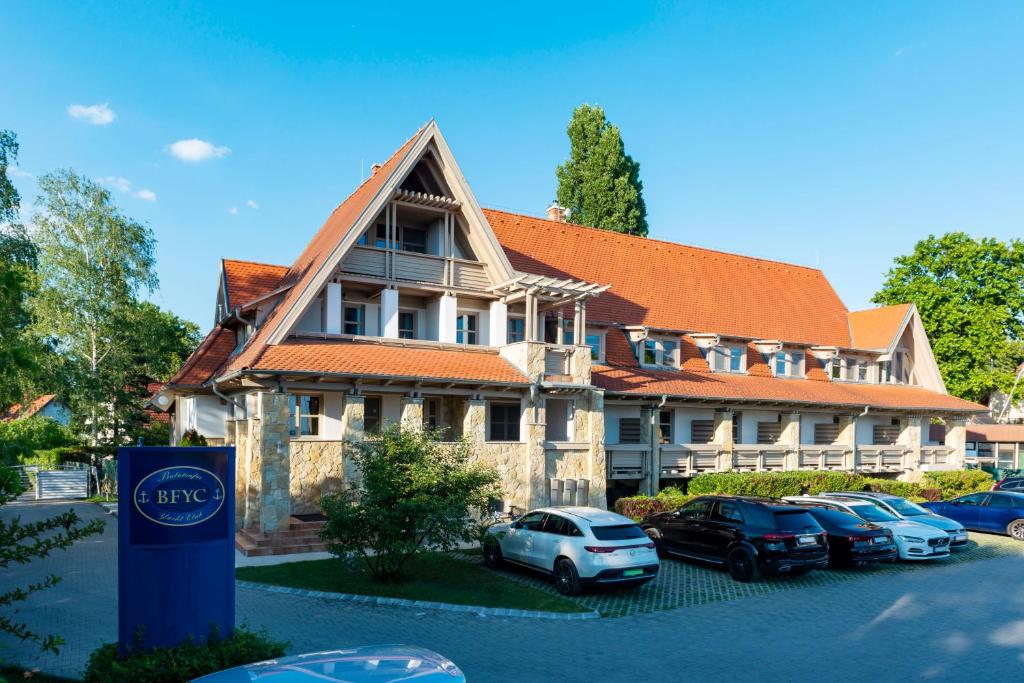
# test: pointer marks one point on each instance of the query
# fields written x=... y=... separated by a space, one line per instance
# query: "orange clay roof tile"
x=207 y=359
x=875 y=328
x=248 y=280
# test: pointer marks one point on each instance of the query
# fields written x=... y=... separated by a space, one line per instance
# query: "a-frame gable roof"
x=314 y=266
x=878 y=328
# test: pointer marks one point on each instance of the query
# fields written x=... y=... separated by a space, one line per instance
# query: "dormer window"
x=848 y=369
x=895 y=369
x=788 y=363
x=728 y=358
x=660 y=352
x=353 y=323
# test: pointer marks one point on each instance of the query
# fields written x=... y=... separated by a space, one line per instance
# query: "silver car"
x=912 y=512
x=578 y=546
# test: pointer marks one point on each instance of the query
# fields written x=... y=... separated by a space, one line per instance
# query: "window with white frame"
x=304 y=415
x=516 y=330
x=728 y=358
x=354 y=319
x=665 y=418
x=406 y=324
x=658 y=351
x=788 y=363
x=595 y=340
x=467 y=328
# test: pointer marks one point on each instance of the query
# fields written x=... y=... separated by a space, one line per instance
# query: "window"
x=884 y=371
x=737 y=427
x=665 y=425
x=728 y=358
x=702 y=431
x=380 y=237
x=594 y=342
x=617 y=532
x=826 y=434
x=504 y=422
x=354 y=316
x=516 y=330
x=371 y=414
x=532 y=522
x=886 y=435
x=697 y=509
x=560 y=526
x=303 y=415
x=559 y=415
x=670 y=353
x=629 y=430
x=431 y=413
x=862 y=371
x=414 y=239
x=997 y=501
x=837 y=368
x=769 y=432
x=650 y=352
x=728 y=511
x=971 y=499
x=466 y=329
x=789 y=364
x=898 y=367
x=406 y=325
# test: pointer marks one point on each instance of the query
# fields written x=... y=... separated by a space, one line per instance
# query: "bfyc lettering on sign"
x=182 y=495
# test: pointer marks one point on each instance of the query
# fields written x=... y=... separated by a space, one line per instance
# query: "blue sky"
x=828 y=134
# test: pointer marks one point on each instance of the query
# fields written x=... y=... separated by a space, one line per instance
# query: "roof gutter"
x=224 y=397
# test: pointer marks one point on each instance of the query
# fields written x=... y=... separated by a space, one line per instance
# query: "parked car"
x=578 y=546
x=911 y=511
x=999 y=512
x=1009 y=484
x=914 y=541
x=750 y=536
x=367 y=664
x=851 y=540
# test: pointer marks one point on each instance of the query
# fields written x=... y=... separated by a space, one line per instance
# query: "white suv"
x=914 y=541
x=576 y=545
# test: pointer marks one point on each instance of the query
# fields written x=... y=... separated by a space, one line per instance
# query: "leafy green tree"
x=415 y=494
x=93 y=262
x=19 y=350
x=600 y=184
x=970 y=293
x=20 y=544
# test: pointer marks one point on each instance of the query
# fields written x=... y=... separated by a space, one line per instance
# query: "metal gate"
x=62 y=484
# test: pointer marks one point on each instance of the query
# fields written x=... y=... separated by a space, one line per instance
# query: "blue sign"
x=176 y=544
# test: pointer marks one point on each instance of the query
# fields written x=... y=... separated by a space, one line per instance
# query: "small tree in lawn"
x=415 y=494
x=22 y=543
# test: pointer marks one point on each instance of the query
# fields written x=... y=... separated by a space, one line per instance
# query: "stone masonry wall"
x=317 y=467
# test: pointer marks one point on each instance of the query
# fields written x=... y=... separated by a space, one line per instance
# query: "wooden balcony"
x=412 y=267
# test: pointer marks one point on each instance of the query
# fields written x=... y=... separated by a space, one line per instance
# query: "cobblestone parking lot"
x=907 y=622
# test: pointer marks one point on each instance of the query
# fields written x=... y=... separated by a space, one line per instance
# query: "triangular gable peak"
x=423 y=176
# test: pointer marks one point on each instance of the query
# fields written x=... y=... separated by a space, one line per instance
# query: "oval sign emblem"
x=179 y=496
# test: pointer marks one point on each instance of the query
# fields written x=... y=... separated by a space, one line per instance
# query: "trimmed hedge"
x=185 y=662
x=19 y=438
x=936 y=486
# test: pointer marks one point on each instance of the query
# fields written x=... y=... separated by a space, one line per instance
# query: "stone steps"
x=300 y=537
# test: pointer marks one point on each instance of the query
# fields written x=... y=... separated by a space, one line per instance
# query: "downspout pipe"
x=229 y=399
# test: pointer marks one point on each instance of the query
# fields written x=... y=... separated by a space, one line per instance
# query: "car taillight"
x=775 y=538
x=854 y=539
x=600 y=548
x=995 y=486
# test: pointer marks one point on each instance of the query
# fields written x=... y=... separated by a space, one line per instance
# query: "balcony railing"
x=824 y=457
x=755 y=458
x=684 y=460
x=935 y=455
x=414 y=267
x=627 y=461
x=881 y=458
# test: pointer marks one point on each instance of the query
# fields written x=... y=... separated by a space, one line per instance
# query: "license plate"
x=961 y=537
x=633 y=572
x=879 y=540
x=806 y=540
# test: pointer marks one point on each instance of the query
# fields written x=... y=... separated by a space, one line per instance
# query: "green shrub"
x=189 y=660
x=903 y=489
x=774 y=484
x=54 y=457
x=193 y=438
x=19 y=438
x=638 y=507
x=955 y=483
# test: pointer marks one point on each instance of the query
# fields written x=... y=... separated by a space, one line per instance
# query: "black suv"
x=748 y=535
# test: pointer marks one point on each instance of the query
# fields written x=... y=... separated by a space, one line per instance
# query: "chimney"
x=556 y=213
x=374 y=168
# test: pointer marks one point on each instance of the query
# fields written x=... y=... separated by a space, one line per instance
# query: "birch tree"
x=93 y=263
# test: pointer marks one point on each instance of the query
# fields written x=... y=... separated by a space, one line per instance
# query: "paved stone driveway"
x=964 y=620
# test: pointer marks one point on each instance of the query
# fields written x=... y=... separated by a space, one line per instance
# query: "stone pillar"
x=352 y=418
x=498 y=324
x=412 y=413
x=790 y=438
x=848 y=437
x=956 y=439
x=389 y=313
x=332 y=313
x=447 y=312
x=275 y=463
x=474 y=422
x=723 y=438
x=536 y=456
x=910 y=435
x=597 y=471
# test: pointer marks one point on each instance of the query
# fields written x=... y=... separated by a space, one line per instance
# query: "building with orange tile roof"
x=582 y=363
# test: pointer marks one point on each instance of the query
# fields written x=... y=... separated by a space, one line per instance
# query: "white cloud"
x=194 y=150
x=117 y=182
x=233 y=210
x=16 y=172
x=96 y=114
x=251 y=204
x=146 y=195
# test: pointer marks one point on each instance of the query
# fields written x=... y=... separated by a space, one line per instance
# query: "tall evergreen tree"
x=600 y=184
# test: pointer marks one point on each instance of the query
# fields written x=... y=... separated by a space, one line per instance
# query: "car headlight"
x=912 y=539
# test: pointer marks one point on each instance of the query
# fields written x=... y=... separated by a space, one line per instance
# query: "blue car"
x=998 y=512
x=367 y=664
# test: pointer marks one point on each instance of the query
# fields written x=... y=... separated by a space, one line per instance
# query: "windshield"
x=873 y=513
x=619 y=532
x=906 y=508
x=796 y=522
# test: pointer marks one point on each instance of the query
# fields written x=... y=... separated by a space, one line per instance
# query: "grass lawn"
x=434 y=576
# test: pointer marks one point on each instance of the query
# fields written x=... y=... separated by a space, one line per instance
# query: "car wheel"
x=492 y=555
x=1016 y=529
x=567 y=579
x=655 y=537
x=743 y=565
